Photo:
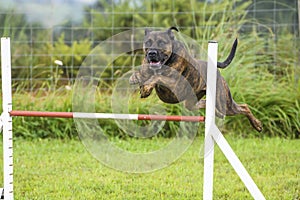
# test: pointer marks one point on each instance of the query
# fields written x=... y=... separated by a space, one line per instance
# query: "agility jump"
x=212 y=133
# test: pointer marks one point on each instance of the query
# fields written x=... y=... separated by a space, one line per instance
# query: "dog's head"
x=158 y=47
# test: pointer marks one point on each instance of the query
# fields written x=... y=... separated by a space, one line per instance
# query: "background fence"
x=67 y=30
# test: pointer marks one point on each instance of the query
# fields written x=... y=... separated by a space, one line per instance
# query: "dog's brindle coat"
x=176 y=76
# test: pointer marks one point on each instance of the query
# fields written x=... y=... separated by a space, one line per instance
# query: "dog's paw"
x=145 y=90
x=134 y=79
x=257 y=125
x=201 y=104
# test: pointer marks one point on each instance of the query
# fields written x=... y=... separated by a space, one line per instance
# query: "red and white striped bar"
x=15 y=113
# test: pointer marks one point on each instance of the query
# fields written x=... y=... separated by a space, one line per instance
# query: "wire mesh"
x=67 y=30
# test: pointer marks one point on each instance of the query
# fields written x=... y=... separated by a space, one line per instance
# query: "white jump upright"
x=212 y=54
x=212 y=133
x=7 y=119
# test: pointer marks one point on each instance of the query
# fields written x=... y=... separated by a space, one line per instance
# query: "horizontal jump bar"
x=15 y=113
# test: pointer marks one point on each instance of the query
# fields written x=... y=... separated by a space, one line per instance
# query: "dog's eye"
x=148 y=43
x=161 y=43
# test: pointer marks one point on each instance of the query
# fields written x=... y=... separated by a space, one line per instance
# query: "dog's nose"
x=152 y=53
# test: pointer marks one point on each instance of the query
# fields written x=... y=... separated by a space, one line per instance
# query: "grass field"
x=56 y=169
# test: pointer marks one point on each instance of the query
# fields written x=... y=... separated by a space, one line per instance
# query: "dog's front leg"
x=145 y=90
x=139 y=78
x=166 y=81
x=147 y=87
x=141 y=75
x=135 y=78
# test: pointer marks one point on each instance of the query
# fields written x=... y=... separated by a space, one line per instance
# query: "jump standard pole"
x=7 y=119
x=213 y=135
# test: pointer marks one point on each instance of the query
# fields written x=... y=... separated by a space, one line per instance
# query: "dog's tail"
x=228 y=60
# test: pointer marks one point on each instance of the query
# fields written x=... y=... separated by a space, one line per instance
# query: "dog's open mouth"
x=155 y=65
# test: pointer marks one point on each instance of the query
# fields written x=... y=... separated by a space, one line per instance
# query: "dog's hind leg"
x=244 y=109
x=235 y=109
x=202 y=104
x=226 y=105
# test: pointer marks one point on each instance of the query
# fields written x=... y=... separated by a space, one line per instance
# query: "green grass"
x=63 y=169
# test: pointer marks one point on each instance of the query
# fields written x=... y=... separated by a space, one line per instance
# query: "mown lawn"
x=55 y=169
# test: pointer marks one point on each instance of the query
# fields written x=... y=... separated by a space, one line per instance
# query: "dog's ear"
x=170 y=33
x=147 y=31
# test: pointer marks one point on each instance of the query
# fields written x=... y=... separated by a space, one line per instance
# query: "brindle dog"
x=177 y=76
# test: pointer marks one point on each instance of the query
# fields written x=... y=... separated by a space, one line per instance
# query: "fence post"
x=6 y=118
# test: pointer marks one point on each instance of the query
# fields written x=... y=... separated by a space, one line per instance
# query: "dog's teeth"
x=155 y=63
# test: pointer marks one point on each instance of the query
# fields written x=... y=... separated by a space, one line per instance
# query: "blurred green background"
x=265 y=72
